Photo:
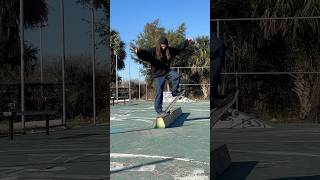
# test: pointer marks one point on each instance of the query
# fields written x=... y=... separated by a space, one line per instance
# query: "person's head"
x=162 y=46
x=163 y=41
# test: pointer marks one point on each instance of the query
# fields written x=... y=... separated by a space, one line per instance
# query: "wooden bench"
x=13 y=115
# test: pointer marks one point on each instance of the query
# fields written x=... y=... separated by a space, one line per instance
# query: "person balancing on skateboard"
x=160 y=58
x=217 y=55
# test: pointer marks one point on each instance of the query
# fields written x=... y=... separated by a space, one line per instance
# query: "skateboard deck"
x=169 y=107
x=216 y=113
x=166 y=120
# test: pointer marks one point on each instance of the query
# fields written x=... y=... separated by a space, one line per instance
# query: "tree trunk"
x=303 y=91
x=315 y=102
x=205 y=88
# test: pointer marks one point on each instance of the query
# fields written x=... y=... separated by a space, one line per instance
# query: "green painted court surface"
x=76 y=154
x=139 y=151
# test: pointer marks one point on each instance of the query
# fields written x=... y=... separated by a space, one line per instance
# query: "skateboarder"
x=216 y=64
x=160 y=58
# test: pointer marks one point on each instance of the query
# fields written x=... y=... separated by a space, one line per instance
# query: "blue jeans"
x=174 y=77
x=217 y=60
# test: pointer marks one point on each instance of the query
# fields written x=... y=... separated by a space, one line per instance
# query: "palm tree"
x=103 y=29
x=117 y=49
x=35 y=12
x=274 y=45
x=290 y=29
x=301 y=35
x=97 y=4
x=201 y=58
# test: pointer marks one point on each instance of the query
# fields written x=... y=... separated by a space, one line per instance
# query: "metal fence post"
x=139 y=86
x=129 y=83
x=146 y=91
x=117 y=95
x=218 y=28
x=63 y=63
x=47 y=124
x=93 y=68
x=22 y=62
x=11 y=125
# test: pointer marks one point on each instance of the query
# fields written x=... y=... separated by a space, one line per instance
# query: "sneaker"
x=178 y=93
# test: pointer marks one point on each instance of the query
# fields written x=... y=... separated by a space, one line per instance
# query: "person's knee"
x=159 y=97
x=176 y=77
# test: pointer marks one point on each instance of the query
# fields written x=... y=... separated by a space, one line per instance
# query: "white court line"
x=75 y=158
x=115 y=119
x=10 y=170
x=149 y=122
x=124 y=114
x=53 y=160
x=134 y=117
x=131 y=118
x=122 y=155
x=120 y=116
x=119 y=125
x=131 y=110
x=197 y=174
x=145 y=117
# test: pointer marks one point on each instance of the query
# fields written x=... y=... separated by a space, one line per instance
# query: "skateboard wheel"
x=160 y=123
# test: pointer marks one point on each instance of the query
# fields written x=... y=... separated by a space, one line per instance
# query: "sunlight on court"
x=138 y=150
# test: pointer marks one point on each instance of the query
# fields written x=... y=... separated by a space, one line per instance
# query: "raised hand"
x=136 y=50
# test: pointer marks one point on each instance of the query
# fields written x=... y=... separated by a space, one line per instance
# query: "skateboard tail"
x=216 y=114
x=173 y=102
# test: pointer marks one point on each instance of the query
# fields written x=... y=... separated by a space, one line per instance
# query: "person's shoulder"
x=152 y=49
x=173 y=49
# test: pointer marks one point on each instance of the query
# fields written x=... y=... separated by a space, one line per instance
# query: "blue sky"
x=129 y=17
x=77 y=31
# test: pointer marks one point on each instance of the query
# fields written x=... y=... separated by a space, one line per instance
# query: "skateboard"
x=169 y=107
x=165 y=120
x=216 y=113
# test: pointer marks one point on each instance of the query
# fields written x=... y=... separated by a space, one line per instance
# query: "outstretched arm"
x=143 y=54
x=181 y=47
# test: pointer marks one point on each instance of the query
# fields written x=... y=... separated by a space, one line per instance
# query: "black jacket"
x=160 y=67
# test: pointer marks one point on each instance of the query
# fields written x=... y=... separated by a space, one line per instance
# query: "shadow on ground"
x=141 y=165
x=179 y=121
x=238 y=170
x=184 y=117
x=316 y=177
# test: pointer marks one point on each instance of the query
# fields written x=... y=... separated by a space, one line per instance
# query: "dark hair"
x=159 y=54
x=162 y=40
